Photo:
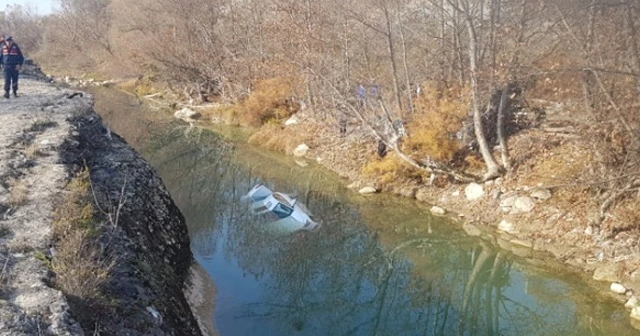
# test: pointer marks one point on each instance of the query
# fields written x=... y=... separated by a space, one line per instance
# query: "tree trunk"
x=392 y=57
x=587 y=77
x=502 y=140
x=633 y=40
x=405 y=64
x=493 y=169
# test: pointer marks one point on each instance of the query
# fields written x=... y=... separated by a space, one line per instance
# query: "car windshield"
x=282 y=210
x=281 y=199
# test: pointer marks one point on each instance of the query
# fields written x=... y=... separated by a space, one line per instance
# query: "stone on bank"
x=368 y=190
x=187 y=115
x=438 y=211
x=474 y=192
x=301 y=150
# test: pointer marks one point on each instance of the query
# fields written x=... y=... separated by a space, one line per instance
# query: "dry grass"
x=32 y=152
x=625 y=218
x=227 y=113
x=391 y=169
x=19 y=246
x=564 y=164
x=270 y=101
x=19 y=193
x=81 y=265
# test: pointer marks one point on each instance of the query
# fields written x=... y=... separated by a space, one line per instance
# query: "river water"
x=379 y=265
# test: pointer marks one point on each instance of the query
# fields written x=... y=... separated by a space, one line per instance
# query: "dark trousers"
x=10 y=78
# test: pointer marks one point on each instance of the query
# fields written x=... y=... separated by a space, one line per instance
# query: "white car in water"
x=282 y=213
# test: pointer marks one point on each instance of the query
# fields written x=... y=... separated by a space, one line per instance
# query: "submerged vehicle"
x=281 y=212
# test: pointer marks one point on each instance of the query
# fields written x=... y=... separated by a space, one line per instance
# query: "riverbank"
x=539 y=208
x=543 y=206
x=91 y=240
x=542 y=209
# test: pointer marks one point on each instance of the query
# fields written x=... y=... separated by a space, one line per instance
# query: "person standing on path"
x=11 y=61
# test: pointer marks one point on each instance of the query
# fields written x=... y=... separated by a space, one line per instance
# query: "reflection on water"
x=377 y=265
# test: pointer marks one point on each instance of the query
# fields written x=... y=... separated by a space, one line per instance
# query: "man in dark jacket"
x=12 y=60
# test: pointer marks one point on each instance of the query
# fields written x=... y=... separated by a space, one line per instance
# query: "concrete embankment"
x=129 y=267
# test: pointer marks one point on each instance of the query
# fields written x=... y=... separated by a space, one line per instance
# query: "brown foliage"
x=391 y=169
x=271 y=101
x=438 y=116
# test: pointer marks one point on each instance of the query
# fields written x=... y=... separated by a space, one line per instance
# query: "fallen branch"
x=613 y=197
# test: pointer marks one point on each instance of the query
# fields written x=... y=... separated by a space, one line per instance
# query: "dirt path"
x=33 y=127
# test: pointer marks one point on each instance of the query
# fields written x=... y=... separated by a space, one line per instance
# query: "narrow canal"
x=378 y=265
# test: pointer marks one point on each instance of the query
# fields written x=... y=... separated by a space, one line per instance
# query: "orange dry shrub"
x=386 y=170
x=269 y=101
x=390 y=169
x=438 y=117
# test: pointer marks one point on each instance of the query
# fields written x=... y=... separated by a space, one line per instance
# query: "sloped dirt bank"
x=130 y=235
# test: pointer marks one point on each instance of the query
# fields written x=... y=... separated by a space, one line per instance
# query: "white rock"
x=368 y=190
x=618 y=288
x=471 y=230
x=302 y=163
x=507 y=203
x=541 y=194
x=524 y=204
x=46 y=143
x=291 y=121
x=635 y=313
x=187 y=114
x=632 y=302
x=301 y=150
x=154 y=312
x=438 y=211
x=505 y=226
x=456 y=193
x=474 y=191
x=589 y=230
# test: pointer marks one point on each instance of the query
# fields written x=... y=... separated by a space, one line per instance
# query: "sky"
x=43 y=6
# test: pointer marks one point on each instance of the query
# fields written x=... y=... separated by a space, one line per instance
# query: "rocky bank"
x=48 y=136
x=533 y=211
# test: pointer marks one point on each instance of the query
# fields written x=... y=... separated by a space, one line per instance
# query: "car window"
x=282 y=211
x=281 y=199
